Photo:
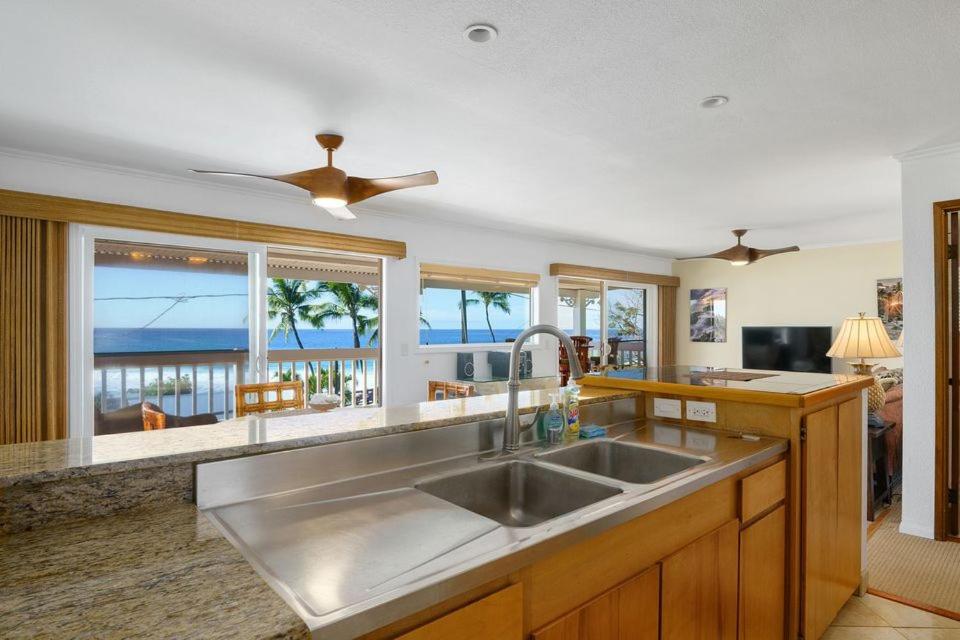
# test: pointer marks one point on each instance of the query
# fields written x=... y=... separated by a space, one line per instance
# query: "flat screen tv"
x=787 y=348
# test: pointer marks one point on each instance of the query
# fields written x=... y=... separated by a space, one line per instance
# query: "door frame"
x=942 y=287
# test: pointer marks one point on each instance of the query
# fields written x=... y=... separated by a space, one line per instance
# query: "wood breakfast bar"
x=823 y=417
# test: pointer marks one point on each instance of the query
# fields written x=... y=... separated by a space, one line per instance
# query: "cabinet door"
x=699 y=583
x=763 y=557
x=629 y=612
x=831 y=513
x=499 y=615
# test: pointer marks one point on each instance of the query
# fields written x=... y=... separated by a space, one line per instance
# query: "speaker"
x=465 y=366
x=500 y=364
x=526 y=364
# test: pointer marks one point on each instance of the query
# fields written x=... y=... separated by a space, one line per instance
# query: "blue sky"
x=439 y=306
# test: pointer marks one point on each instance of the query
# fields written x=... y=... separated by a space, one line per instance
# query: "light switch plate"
x=701 y=411
x=667 y=408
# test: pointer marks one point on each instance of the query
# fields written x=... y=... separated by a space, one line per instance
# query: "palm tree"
x=290 y=300
x=349 y=301
x=497 y=300
x=463 y=304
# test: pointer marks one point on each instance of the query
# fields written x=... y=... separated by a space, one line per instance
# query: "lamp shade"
x=863 y=337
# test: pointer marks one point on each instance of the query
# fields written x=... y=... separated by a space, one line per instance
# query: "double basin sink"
x=527 y=492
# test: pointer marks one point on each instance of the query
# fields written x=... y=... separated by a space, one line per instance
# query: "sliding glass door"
x=165 y=321
x=619 y=318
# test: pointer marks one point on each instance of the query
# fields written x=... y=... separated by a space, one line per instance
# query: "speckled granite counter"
x=154 y=573
x=61 y=459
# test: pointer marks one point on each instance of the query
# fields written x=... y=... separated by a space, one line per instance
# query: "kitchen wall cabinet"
x=763 y=579
x=699 y=588
x=628 y=612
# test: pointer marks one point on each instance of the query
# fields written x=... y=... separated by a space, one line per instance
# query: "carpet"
x=915 y=569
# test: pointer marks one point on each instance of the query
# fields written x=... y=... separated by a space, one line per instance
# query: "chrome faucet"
x=511 y=428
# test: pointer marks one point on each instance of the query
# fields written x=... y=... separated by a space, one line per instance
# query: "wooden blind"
x=33 y=205
x=33 y=331
x=597 y=273
x=441 y=276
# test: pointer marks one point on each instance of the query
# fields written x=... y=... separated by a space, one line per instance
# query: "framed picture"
x=708 y=315
x=890 y=305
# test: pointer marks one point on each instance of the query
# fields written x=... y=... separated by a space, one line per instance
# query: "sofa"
x=131 y=419
x=892 y=412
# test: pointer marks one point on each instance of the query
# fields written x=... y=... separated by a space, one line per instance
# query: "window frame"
x=471 y=347
x=650 y=320
x=81 y=259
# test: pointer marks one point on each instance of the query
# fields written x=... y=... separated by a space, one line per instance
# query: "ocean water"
x=122 y=340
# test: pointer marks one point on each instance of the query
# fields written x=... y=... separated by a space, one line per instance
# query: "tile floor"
x=874 y=618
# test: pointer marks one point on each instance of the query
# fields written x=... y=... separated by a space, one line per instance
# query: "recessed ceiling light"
x=480 y=33
x=714 y=101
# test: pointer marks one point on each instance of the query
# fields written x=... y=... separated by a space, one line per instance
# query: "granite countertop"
x=62 y=459
x=154 y=573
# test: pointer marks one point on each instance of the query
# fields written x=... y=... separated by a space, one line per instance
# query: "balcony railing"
x=352 y=374
x=191 y=382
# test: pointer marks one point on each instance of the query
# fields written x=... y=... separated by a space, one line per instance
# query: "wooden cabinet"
x=699 y=588
x=763 y=580
x=831 y=450
x=628 y=612
x=499 y=615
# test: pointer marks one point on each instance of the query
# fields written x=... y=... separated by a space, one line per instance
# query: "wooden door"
x=628 y=612
x=699 y=588
x=499 y=615
x=831 y=513
x=763 y=578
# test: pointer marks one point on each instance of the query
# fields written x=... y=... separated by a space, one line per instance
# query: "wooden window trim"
x=72 y=210
x=597 y=273
x=474 y=275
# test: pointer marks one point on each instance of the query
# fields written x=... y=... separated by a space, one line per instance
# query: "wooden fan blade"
x=759 y=254
x=736 y=252
x=296 y=179
x=341 y=213
x=231 y=173
x=362 y=188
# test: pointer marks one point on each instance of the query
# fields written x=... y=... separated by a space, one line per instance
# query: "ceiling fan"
x=332 y=189
x=740 y=254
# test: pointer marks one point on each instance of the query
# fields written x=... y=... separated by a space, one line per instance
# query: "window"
x=323 y=322
x=177 y=322
x=173 y=325
x=461 y=305
x=620 y=318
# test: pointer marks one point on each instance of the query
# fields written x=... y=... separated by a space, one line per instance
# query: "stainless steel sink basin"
x=517 y=493
x=622 y=461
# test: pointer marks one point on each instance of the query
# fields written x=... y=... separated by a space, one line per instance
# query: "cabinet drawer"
x=763 y=490
x=499 y=615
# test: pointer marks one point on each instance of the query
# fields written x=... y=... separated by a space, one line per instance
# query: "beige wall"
x=811 y=287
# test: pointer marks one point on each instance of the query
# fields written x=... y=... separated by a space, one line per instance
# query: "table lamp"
x=864 y=337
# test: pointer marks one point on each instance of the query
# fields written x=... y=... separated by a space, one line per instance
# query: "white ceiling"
x=582 y=117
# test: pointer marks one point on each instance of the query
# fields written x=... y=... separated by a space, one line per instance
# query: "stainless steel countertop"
x=341 y=534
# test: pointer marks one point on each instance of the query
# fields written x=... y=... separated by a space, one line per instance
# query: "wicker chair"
x=259 y=397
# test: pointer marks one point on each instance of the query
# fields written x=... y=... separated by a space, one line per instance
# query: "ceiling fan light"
x=739 y=263
x=329 y=203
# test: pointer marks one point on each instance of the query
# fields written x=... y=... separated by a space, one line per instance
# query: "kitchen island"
x=706 y=508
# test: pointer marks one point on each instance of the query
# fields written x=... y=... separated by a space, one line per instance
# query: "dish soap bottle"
x=571 y=406
x=554 y=421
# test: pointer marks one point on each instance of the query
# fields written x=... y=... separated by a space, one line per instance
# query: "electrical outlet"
x=667 y=408
x=701 y=411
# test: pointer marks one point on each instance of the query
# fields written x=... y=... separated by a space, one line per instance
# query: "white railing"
x=352 y=374
x=188 y=383
x=181 y=383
